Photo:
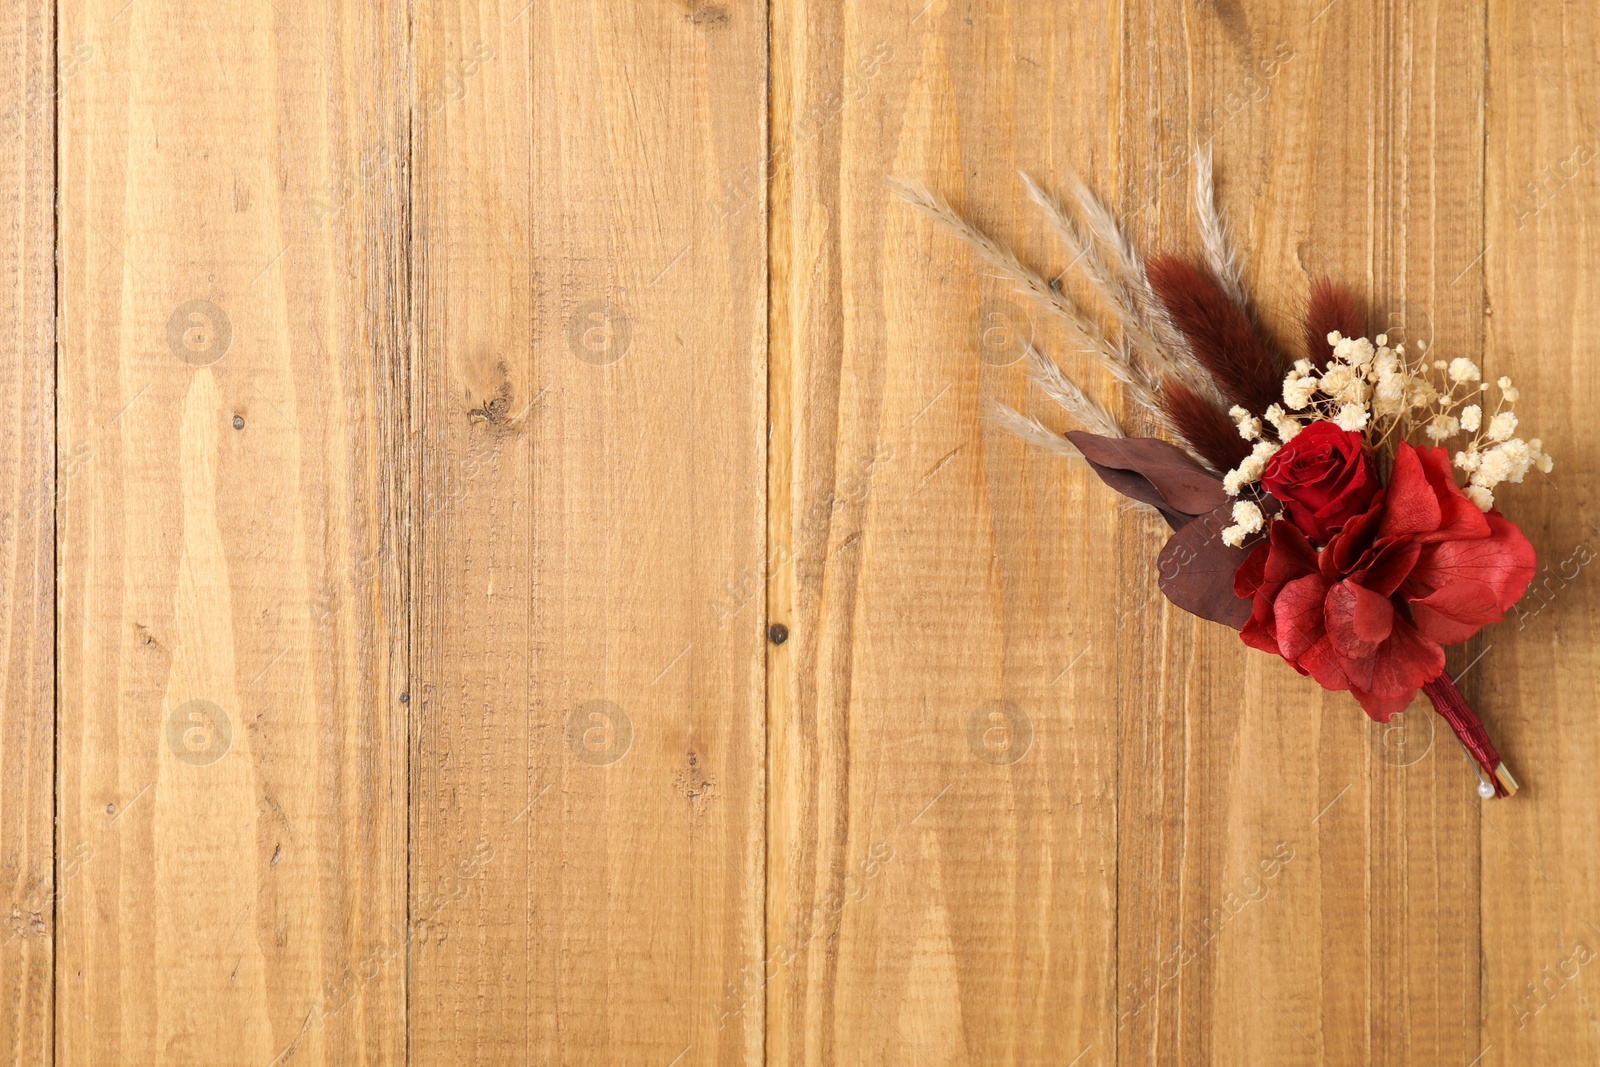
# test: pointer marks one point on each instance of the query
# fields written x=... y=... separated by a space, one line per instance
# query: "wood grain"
x=942 y=878
x=1216 y=787
x=232 y=533
x=1541 y=880
x=448 y=396
x=1365 y=946
x=27 y=521
x=588 y=775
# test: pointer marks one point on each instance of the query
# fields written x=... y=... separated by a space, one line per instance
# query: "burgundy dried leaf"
x=1204 y=425
x=1248 y=369
x=1154 y=472
x=1136 y=486
x=1195 y=570
x=1332 y=307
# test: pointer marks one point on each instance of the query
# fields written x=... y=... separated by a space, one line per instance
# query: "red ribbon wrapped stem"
x=1449 y=703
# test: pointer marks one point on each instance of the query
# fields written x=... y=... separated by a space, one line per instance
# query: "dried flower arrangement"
x=1304 y=514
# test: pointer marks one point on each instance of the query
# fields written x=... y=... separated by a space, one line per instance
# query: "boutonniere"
x=1336 y=507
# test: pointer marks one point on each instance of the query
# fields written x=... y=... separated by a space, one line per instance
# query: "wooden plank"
x=1541 y=899
x=1363 y=945
x=901 y=607
x=28 y=886
x=1020 y=810
x=232 y=533
x=588 y=773
x=943 y=758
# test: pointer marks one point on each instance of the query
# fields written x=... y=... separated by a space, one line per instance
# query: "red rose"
x=1371 y=612
x=1323 y=477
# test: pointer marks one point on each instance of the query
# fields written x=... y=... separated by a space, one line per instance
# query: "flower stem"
x=1449 y=703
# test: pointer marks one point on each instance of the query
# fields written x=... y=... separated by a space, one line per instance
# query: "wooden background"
x=413 y=415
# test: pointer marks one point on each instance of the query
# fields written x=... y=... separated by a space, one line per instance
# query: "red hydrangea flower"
x=1324 y=478
x=1370 y=613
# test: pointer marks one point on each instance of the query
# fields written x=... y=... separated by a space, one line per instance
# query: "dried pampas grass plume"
x=1044 y=373
x=1117 y=273
x=1130 y=264
x=1112 y=285
x=1029 y=429
x=1143 y=385
x=1219 y=253
x=1032 y=284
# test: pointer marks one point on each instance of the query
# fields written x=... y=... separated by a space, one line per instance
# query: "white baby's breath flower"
x=1442 y=426
x=1468 y=460
x=1480 y=496
x=1510 y=395
x=1420 y=394
x=1352 y=417
x=1264 y=450
x=1234 y=481
x=1297 y=392
x=1233 y=536
x=1462 y=369
x=1286 y=425
x=1356 y=392
x=1471 y=417
x=1493 y=468
x=1247 y=516
x=1520 y=458
x=1502 y=426
x=1504 y=381
x=1335 y=378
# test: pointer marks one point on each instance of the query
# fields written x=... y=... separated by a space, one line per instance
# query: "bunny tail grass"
x=1332 y=306
x=1247 y=367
